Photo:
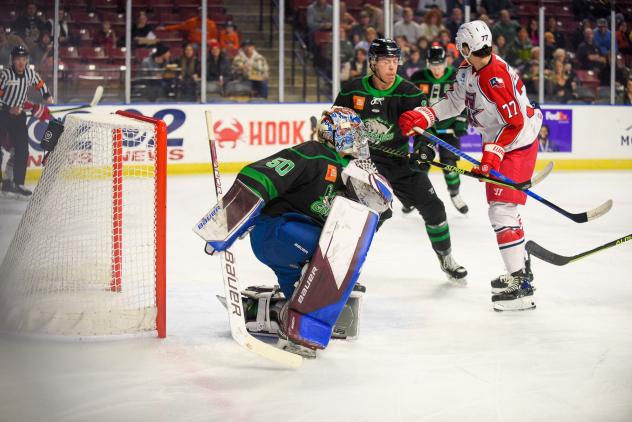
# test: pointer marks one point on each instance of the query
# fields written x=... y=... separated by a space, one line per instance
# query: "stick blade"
x=542 y=174
x=98 y=93
x=546 y=255
x=599 y=211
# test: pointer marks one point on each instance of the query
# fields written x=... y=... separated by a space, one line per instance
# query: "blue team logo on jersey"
x=497 y=82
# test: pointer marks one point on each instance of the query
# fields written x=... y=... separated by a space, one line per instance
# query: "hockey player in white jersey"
x=498 y=107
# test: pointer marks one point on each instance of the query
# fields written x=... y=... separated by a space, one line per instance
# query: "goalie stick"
x=518 y=186
x=98 y=93
x=555 y=259
x=580 y=217
x=232 y=289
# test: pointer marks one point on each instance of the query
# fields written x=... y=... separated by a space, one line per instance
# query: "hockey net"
x=88 y=257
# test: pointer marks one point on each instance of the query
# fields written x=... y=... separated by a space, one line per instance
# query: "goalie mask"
x=341 y=128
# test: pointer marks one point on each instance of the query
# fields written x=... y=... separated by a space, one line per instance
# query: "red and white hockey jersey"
x=496 y=102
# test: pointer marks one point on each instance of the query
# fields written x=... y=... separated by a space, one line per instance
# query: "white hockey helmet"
x=475 y=34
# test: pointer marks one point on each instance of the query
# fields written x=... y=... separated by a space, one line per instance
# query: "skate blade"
x=297 y=349
x=521 y=304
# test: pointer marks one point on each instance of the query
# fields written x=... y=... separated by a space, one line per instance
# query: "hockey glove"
x=39 y=111
x=492 y=156
x=421 y=117
x=418 y=160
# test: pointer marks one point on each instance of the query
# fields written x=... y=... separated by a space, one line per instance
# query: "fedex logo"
x=558 y=116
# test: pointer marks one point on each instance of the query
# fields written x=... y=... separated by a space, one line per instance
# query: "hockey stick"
x=555 y=259
x=98 y=93
x=518 y=186
x=231 y=285
x=581 y=217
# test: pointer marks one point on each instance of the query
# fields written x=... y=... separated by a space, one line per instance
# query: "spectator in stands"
x=621 y=73
x=319 y=18
x=192 y=28
x=347 y=21
x=553 y=28
x=602 y=37
x=358 y=31
x=424 y=6
x=624 y=38
x=413 y=64
x=29 y=25
x=534 y=34
x=454 y=21
x=549 y=46
x=64 y=31
x=404 y=46
x=42 y=51
x=627 y=94
x=346 y=48
x=189 y=73
x=432 y=24
x=578 y=35
x=158 y=60
x=560 y=83
x=359 y=64
x=495 y=7
x=531 y=78
x=500 y=47
x=8 y=40
x=105 y=37
x=376 y=17
x=521 y=51
x=229 y=39
x=407 y=27
x=249 y=65
x=142 y=32
x=369 y=35
x=588 y=54
x=423 y=45
x=450 y=48
x=506 y=27
x=217 y=67
x=153 y=71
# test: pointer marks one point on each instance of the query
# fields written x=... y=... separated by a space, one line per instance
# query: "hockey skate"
x=11 y=190
x=7 y=188
x=407 y=210
x=459 y=203
x=285 y=343
x=518 y=296
x=455 y=272
x=501 y=283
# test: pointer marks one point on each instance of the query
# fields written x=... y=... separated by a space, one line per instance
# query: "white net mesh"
x=83 y=259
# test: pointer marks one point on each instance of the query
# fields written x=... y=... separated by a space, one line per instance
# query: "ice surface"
x=427 y=351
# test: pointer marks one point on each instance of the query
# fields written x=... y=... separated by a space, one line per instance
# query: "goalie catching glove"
x=365 y=185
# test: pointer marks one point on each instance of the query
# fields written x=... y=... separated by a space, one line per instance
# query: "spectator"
x=218 y=67
x=229 y=39
x=42 y=51
x=501 y=46
x=319 y=18
x=624 y=38
x=65 y=36
x=450 y=48
x=142 y=32
x=158 y=60
x=549 y=46
x=425 y=6
x=8 y=40
x=432 y=24
x=346 y=48
x=534 y=34
x=522 y=46
x=106 y=36
x=192 y=28
x=531 y=78
x=561 y=83
x=376 y=17
x=423 y=45
x=621 y=73
x=627 y=94
x=358 y=31
x=414 y=63
x=552 y=27
x=359 y=64
x=189 y=73
x=578 y=35
x=602 y=36
x=588 y=54
x=407 y=27
x=454 y=21
x=369 y=36
x=347 y=21
x=29 y=25
x=506 y=27
x=495 y=7
x=251 y=66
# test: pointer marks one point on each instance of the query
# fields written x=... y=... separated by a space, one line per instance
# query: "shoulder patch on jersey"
x=358 y=102
x=497 y=82
x=332 y=173
x=425 y=88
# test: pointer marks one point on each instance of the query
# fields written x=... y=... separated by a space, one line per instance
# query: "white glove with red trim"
x=492 y=156
x=422 y=117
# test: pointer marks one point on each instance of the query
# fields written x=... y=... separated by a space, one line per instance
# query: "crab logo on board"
x=228 y=132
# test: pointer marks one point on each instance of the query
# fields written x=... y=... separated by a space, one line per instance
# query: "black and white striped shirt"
x=14 y=87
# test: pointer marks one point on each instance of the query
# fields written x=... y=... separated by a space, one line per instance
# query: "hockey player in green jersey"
x=379 y=99
x=434 y=81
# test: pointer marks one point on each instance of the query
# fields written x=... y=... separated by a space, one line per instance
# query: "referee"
x=14 y=84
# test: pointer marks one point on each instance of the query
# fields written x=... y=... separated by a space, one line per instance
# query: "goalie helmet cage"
x=89 y=255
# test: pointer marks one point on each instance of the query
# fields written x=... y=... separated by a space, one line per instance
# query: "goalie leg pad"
x=285 y=243
x=332 y=273
x=230 y=219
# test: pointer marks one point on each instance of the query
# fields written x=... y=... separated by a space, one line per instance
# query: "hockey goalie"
x=311 y=211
